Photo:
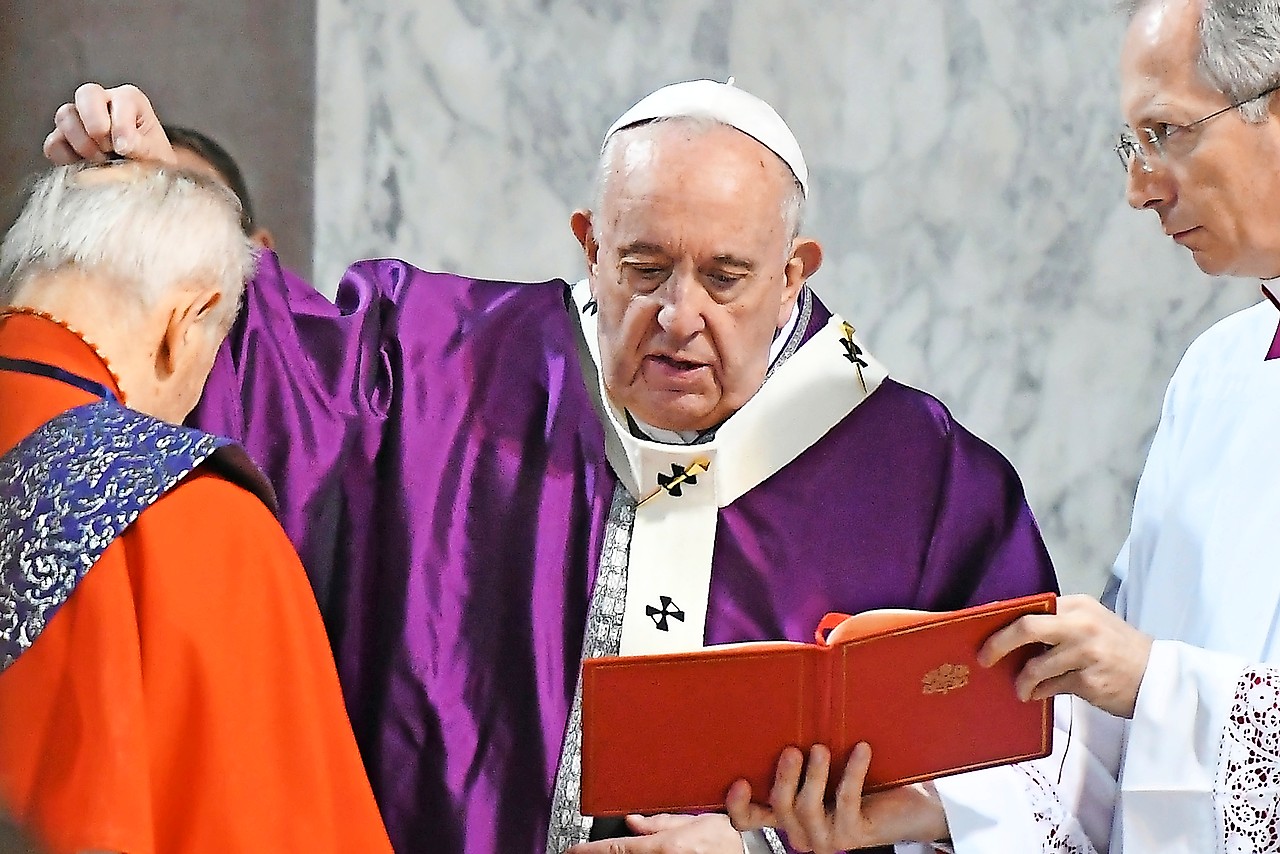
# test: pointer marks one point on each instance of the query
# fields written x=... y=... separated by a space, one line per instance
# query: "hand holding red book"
x=670 y=733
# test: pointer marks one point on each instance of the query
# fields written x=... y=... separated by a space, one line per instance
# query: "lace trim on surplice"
x=1059 y=829
x=1247 y=793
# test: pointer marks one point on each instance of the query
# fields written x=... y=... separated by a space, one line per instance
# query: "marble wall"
x=964 y=188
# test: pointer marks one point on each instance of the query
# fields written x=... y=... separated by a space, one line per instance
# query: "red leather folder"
x=670 y=733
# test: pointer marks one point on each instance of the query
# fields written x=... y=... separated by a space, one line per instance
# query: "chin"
x=1216 y=267
x=1212 y=265
x=1236 y=262
x=675 y=418
x=678 y=424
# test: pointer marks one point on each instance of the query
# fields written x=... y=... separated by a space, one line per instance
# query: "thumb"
x=135 y=130
x=124 y=123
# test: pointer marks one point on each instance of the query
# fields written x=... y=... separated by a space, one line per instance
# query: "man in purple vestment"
x=488 y=481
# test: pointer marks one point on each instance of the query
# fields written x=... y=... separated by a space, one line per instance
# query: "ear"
x=580 y=222
x=191 y=312
x=263 y=238
x=808 y=252
x=806 y=258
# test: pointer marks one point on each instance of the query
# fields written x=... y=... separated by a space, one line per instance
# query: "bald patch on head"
x=113 y=171
x=128 y=171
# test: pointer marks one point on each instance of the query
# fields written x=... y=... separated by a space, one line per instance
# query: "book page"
x=759 y=646
x=871 y=622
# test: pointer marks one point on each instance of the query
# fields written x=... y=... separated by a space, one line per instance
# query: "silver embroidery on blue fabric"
x=66 y=492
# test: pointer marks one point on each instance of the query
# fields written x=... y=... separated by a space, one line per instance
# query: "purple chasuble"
x=441 y=469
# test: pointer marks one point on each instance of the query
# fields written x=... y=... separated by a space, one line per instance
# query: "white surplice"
x=1199 y=770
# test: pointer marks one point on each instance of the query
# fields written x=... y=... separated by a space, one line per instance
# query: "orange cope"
x=184 y=698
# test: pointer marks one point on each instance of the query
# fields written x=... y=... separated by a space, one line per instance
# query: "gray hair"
x=145 y=228
x=1239 y=48
x=792 y=210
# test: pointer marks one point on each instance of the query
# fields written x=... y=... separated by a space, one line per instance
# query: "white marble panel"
x=965 y=191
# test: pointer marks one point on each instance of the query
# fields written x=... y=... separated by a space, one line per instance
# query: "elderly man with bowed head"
x=165 y=682
x=490 y=481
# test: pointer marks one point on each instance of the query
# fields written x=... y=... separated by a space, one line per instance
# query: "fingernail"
x=123 y=146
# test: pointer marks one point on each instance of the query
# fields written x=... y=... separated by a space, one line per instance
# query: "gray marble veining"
x=964 y=189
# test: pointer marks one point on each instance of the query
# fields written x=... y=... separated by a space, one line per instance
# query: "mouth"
x=682 y=364
x=1181 y=236
x=674 y=368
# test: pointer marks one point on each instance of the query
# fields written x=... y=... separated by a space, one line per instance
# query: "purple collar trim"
x=1274 y=351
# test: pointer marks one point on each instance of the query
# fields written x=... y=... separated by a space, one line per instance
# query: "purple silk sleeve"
x=985 y=543
x=441 y=471
x=302 y=383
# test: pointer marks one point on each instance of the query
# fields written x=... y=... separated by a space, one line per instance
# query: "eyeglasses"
x=1163 y=141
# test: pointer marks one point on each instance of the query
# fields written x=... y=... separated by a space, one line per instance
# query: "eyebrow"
x=642 y=248
x=734 y=261
x=1151 y=110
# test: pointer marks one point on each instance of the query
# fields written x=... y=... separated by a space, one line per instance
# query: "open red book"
x=670 y=733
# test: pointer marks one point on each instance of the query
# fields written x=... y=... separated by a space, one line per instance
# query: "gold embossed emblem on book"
x=945 y=678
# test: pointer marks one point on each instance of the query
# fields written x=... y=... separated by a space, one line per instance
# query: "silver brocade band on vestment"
x=603 y=636
x=796 y=338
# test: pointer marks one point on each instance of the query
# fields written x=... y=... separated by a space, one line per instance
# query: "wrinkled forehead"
x=1160 y=60
x=693 y=158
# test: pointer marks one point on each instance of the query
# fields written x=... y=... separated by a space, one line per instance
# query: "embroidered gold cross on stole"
x=853 y=352
x=680 y=475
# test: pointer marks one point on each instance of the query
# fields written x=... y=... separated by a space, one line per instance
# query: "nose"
x=681 y=313
x=1149 y=187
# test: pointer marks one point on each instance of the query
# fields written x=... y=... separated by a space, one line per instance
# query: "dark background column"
x=242 y=71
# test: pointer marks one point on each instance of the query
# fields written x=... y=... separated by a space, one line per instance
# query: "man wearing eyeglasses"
x=1182 y=678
